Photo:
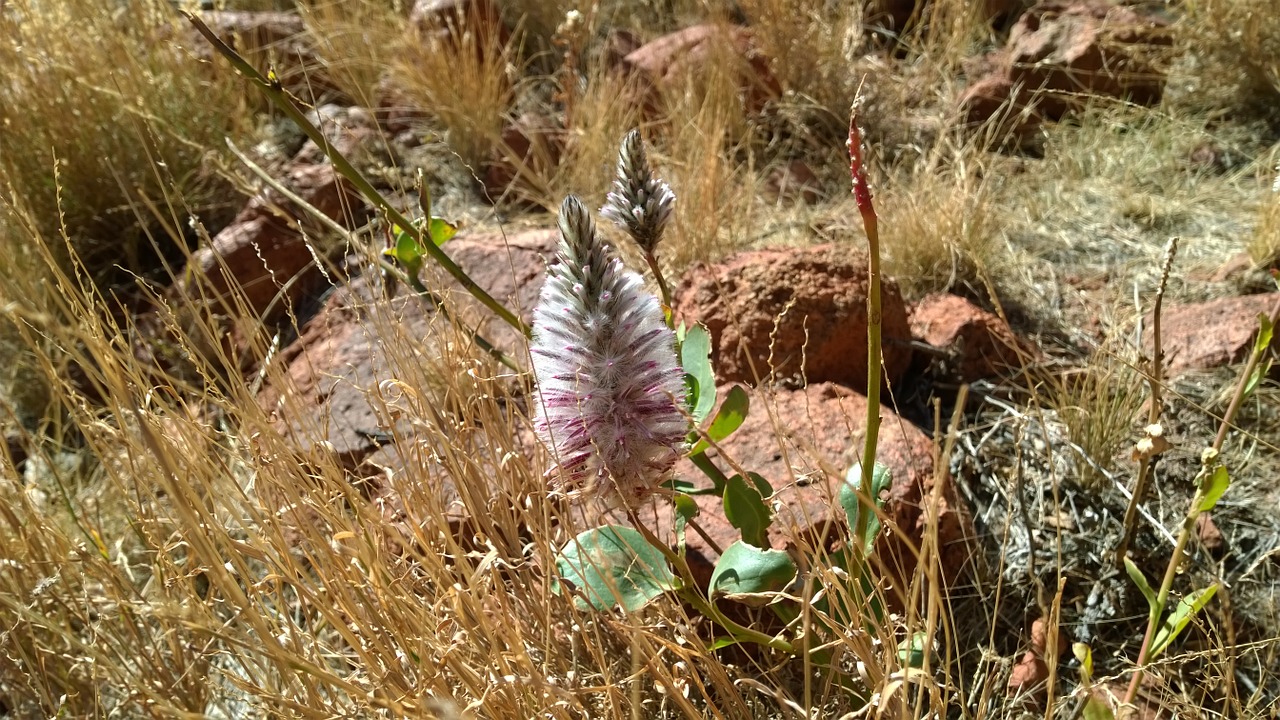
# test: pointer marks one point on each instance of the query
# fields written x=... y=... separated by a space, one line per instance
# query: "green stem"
x=652 y=261
x=689 y=593
x=874 y=319
x=708 y=468
x=274 y=91
x=1189 y=522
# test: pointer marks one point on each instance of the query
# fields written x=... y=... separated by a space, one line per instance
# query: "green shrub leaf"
x=1265 y=334
x=695 y=357
x=881 y=479
x=407 y=251
x=732 y=413
x=745 y=571
x=1214 y=485
x=1135 y=574
x=746 y=510
x=441 y=231
x=686 y=509
x=1177 y=621
x=614 y=566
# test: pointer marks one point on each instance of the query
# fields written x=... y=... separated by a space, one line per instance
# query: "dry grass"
x=173 y=549
x=465 y=78
x=116 y=114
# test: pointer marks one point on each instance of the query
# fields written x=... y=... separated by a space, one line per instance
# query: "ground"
x=250 y=472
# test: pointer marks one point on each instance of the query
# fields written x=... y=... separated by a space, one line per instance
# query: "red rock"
x=1209 y=334
x=261 y=251
x=823 y=291
x=618 y=44
x=1032 y=672
x=977 y=343
x=802 y=442
x=1210 y=535
x=995 y=96
x=670 y=59
x=1088 y=47
x=338 y=361
x=1062 y=52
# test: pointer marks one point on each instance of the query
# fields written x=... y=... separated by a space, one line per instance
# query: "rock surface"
x=262 y=253
x=695 y=51
x=1060 y=53
x=977 y=344
x=802 y=442
x=1211 y=334
x=823 y=335
x=335 y=367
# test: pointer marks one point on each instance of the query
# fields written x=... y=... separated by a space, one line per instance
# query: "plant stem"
x=386 y=266
x=652 y=261
x=690 y=593
x=1189 y=522
x=862 y=195
x=1155 y=379
x=274 y=91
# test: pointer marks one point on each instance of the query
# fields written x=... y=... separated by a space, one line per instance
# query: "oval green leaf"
x=747 y=570
x=745 y=509
x=695 y=358
x=613 y=566
x=732 y=413
x=863 y=521
x=1177 y=621
x=1214 y=486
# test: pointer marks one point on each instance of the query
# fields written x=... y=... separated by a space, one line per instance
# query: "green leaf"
x=724 y=642
x=1177 y=621
x=614 y=566
x=732 y=413
x=407 y=251
x=745 y=509
x=881 y=479
x=686 y=510
x=695 y=358
x=1213 y=487
x=1260 y=371
x=441 y=231
x=1265 y=334
x=1095 y=709
x=1135 y=574
x=745 y=571
x=911 y=651
x=1084 y=654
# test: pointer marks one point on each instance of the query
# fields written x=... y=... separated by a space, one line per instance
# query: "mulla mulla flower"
x=639 y=203
x=609 y=385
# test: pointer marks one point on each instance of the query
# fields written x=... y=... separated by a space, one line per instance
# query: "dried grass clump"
x=356 y=41
x=941 y=231
x=1236 y=45
x=128 y=117
x=465 y=78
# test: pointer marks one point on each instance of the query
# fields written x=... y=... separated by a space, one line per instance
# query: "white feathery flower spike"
x=609 y=384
